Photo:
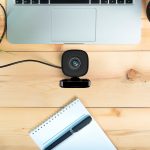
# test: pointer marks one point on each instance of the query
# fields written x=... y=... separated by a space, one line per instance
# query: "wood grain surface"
x=115 y=82
x=119 y=98
x=127 y=128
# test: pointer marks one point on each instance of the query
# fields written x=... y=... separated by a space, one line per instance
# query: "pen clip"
x=82 y=124
x=71 y=131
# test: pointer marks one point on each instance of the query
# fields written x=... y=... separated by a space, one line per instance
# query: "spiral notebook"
x=91 y=137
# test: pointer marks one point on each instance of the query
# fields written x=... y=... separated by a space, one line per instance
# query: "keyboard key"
x=44 y=1
x=112 y=1
x=104 y=1
x=94 y=1
x=35 y=1
x=120 y=1
x=129 y=1
x=18 y=1
x=26 y=1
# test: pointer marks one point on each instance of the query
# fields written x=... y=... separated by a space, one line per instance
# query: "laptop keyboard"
x=118 y=2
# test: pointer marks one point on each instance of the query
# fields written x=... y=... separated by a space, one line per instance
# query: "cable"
x=5 y=25
x=29 y=60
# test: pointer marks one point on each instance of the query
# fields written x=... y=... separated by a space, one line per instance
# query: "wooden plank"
x=36 y=85
x=143 y=45
x=128 y=129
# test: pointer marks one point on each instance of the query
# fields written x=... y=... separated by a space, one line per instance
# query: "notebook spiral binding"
x=53 y=117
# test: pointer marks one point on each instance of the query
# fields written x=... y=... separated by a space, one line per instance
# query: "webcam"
x=75 y=63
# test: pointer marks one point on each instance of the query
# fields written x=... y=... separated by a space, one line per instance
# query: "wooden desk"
x=119 y=97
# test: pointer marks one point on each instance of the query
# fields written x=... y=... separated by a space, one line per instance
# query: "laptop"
x=74 y=21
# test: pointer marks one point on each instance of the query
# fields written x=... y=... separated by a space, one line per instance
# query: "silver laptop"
x=74 y=21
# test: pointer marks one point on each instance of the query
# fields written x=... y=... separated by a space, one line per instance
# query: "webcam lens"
x=74 y=63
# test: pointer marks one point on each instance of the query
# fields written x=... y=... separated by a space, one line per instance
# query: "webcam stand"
x=75 y=83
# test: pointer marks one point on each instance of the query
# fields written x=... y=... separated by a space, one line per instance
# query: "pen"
x=75 y=128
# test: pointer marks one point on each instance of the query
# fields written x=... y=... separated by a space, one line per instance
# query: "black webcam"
x=75 y=63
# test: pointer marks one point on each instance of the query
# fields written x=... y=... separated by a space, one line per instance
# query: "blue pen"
x=77 y=126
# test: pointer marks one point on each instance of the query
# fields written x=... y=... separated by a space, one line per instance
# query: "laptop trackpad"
x=73 y=25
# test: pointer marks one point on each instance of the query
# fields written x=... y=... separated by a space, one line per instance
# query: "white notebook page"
x=91 y=137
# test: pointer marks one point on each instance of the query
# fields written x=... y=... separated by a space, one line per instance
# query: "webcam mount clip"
x=75 y=83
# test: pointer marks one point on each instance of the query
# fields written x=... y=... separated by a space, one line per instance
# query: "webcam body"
x=75 y=63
